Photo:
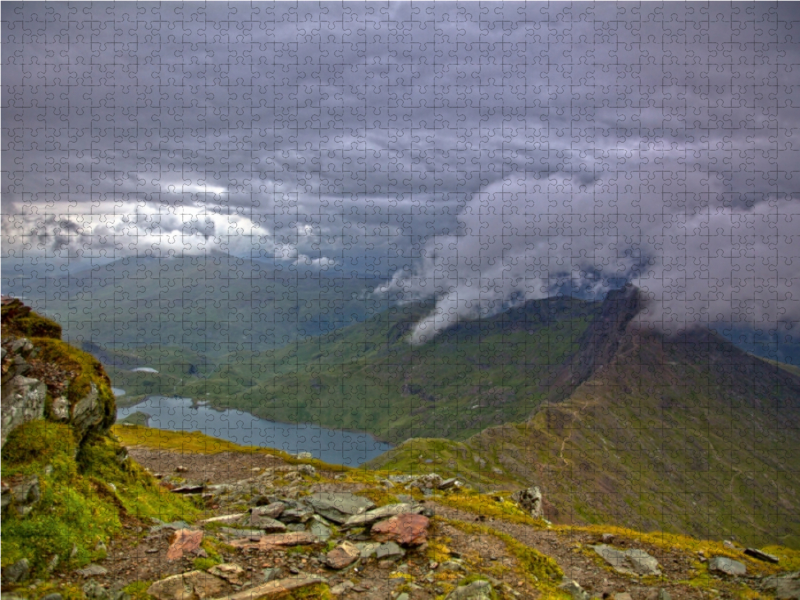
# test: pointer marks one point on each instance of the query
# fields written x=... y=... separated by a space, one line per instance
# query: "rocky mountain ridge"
x=126 y=512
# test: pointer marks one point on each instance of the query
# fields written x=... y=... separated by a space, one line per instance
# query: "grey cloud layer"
x=487 y=153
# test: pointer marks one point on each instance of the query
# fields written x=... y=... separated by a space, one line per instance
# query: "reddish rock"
x=279 y=540
x=230 y=572
x=406 y=528
x=183 y=541
x=275 y=589
x=344 y=555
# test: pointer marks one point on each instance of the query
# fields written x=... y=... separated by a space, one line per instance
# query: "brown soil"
x=140 y=554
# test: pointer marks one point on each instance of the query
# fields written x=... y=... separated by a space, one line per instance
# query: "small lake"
x=331 y=445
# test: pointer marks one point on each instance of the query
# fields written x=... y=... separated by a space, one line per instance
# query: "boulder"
x=530 y=499
x=338 y=507
x=728 y=566
x=629 y=562
x=407 y=529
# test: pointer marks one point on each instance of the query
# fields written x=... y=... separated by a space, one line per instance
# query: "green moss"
x=86 y=371
x=138 y=590
x=203 y=564
x=320 y=591
x=35 y=444
x=542 y=571
x=82 y=499
x=20 y=320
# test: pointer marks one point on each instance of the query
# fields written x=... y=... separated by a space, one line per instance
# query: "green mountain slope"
x=368 y=377
x=687 y=434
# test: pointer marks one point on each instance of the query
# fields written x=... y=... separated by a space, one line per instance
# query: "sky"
x=484 y=153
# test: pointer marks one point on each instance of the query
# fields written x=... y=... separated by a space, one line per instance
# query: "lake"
x=331 y=445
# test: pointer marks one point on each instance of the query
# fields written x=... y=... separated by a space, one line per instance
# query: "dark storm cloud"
x=479 y=152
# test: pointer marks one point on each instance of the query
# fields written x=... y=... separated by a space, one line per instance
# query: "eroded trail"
x=268 y=522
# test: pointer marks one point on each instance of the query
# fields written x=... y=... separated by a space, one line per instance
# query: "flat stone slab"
x=273 y=510
x=194 y=584
x=266 y=523
x=759 y=555
x=728 y=566
x=242 y=532
x=279 y=540
x=378 y=514
x=339 y=507
x=226 y=519
x=389 y=550
x=274 y=589
x=628 y=562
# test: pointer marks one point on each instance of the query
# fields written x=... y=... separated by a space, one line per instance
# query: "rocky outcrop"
x=45 y=378
x=530 y=500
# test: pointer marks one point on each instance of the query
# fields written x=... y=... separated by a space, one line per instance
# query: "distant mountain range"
x=208 y=305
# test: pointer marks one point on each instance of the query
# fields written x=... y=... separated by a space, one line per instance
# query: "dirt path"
x=423 y=573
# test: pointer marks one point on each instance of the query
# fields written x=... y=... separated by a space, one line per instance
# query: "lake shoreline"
x=129 y=402
x=336 y=446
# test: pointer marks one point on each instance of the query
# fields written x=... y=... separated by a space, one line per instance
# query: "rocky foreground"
x=296 y=530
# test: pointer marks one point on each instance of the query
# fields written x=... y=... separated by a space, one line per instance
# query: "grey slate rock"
x=338 y=507
x=629 y=562
x=17 y=572
x=574 y=589
x=728 y=566
x=477 y=590
x=785 y=587
x=265 y=523
x=758 y=554
x=389 y=550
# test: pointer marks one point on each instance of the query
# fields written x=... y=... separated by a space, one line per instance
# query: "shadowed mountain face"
x=685 y=434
